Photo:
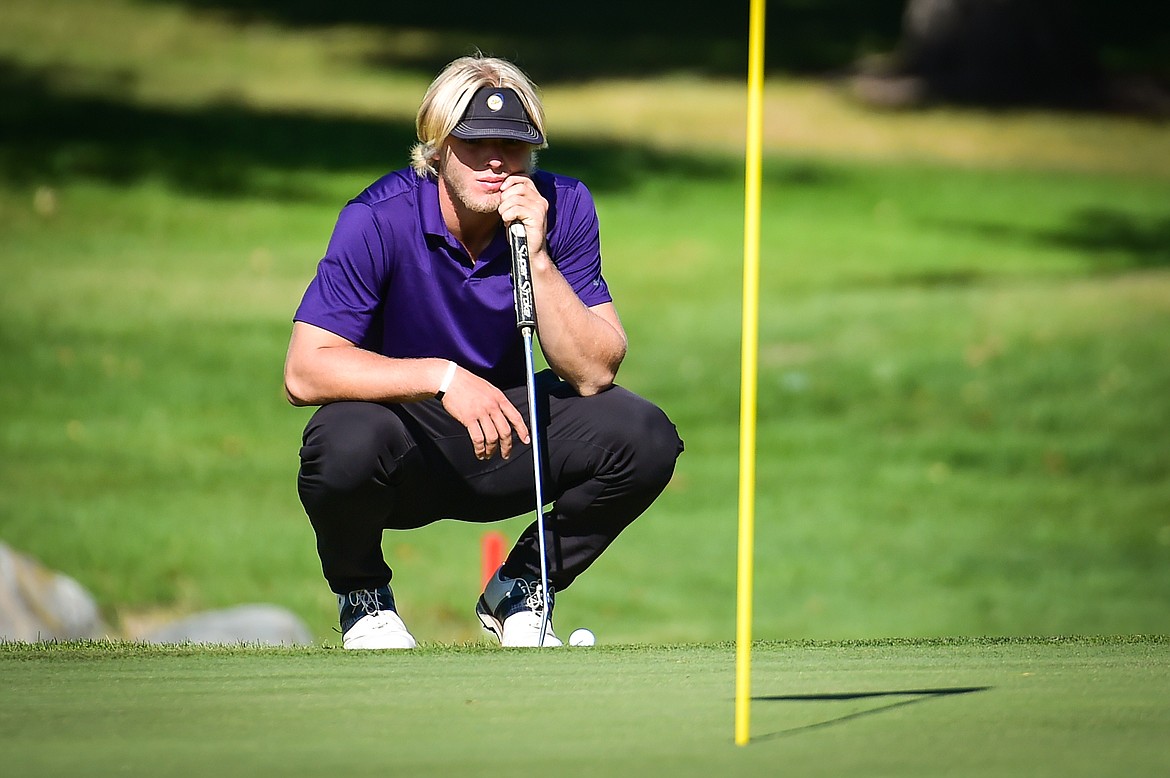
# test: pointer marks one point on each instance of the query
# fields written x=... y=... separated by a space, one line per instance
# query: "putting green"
x=1075 y=706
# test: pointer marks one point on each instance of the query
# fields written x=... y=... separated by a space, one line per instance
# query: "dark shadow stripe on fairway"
x=915 y=695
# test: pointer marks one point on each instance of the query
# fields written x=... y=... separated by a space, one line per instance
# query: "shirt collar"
x=430 y=215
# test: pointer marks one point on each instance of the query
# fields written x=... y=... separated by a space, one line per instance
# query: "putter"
x=526 y=323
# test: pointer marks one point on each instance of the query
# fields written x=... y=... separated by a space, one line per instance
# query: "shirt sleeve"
x=345 y=296
x=577 y=251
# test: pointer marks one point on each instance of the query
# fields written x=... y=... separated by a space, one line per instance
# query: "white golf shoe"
x=511 y=609
x=369 y=621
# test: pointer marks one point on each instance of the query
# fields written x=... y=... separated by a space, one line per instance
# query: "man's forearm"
x=584 y=346
x=321 y=370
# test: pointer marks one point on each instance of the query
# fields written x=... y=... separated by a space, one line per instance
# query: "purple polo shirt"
x=395 y=281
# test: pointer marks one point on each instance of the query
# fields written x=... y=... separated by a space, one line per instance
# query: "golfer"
x=406 y=338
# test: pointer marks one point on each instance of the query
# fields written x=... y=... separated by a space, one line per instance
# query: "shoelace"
x=534 y=596
x=366 y=599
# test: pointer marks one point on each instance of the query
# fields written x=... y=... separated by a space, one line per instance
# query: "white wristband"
x=446 y=382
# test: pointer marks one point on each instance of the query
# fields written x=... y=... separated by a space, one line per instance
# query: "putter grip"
x=521 y=278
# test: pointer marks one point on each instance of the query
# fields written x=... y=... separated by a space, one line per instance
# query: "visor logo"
x=495 y=102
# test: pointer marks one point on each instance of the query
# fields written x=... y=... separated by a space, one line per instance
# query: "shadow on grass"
x=1145 y=243
x=56 y=130
x=914 y=696
x=1118 y=240
x=605 y=39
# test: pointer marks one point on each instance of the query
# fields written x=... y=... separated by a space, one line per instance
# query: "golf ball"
x=582 y=637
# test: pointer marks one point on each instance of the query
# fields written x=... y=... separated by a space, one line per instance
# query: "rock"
x=38 y=604
x=258 y=623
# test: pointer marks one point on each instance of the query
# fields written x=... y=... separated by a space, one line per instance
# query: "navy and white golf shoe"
x=369 y=620
x=511 y=609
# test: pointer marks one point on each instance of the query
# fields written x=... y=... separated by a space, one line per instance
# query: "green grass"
x=963 y=409
x=963 y=384
x=1059 y=707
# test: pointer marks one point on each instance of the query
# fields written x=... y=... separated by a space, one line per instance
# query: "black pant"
x=366 y=467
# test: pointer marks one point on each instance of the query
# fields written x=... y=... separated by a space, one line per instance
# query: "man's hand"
x=490 y=418
x=521 y=202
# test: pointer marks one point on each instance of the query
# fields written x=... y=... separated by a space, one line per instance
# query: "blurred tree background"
x=1076 y=55
x=1073 y=53
x=962 y=385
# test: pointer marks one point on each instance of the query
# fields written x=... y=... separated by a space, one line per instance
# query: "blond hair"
x=447 y=98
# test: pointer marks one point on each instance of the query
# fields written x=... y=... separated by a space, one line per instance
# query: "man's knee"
x=649 y=438
x=659 y=448
x=348 y=444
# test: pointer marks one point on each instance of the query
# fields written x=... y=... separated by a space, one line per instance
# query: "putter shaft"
x=526 y=332
x=525 y=302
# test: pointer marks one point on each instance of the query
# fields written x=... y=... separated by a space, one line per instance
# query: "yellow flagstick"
x=749 y=359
